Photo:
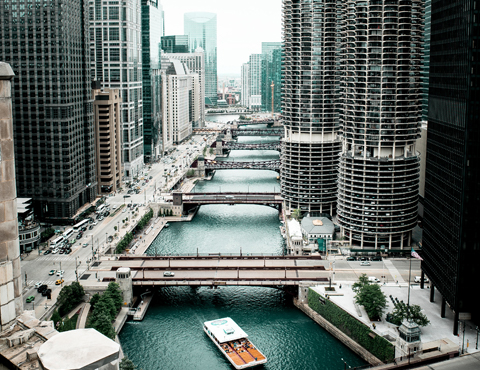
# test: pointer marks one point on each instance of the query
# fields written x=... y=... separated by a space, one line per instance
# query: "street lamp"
x=345 y=363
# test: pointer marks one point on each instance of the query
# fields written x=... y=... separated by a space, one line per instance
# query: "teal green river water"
x=171 y=334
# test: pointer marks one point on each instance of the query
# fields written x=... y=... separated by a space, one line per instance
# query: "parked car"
x=30 y=299
x=68 y=251
x=48 y=251
x=351 y=259
x=168 y=274
x=364 y=263
x=363 y=258
x=377 y=258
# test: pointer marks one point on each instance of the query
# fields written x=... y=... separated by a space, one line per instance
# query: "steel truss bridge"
x=276 y=131
x=230 y=165
x=229 y=145
x=193 y=200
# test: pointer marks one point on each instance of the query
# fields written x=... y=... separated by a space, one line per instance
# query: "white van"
x=418 y=279
x=373 y=279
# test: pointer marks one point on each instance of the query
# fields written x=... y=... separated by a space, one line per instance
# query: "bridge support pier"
x=303 y=293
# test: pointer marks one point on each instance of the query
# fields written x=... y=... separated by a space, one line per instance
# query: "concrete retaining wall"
x=342 y=337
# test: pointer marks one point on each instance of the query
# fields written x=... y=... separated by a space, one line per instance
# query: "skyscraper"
x=53 y=116
x=245 y=85
x=311 y=144
x=381 y=66
x=451 y=249
x=152 y=32
x=201 y=29
x=116 y=61
x=272 y=54
x=196 y=64
x=175 y=44
x=256 y=80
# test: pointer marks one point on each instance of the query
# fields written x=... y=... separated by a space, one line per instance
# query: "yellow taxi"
x=59 y=281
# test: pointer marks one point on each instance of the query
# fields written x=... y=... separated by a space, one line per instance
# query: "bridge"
x=275 y=131
x=267 y=121
x=193 y=200
x=229 y=145
x=255 y=165
x=221 y=270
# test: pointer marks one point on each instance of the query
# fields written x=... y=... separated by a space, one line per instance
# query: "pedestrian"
x=374 y=327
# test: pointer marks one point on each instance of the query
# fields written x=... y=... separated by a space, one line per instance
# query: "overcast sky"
x=242 y=26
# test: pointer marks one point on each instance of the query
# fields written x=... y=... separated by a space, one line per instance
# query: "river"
x=171 y=335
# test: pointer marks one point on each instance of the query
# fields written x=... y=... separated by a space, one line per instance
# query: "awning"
x=368 y=250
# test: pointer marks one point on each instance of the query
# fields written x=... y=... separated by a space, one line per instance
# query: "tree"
x=115 y=228
x=103 y=324
x=114 y=291
x=127 y=364
x=69 y=297
x=412 y=312
x=362 y=281
x=94 y=300
x=297 y=214
x=56 y=317
x=371 y=297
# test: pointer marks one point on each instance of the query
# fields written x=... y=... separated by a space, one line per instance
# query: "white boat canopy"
x=225 y=329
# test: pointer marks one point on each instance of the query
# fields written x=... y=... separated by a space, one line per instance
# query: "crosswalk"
x=56 y=258
x=46 y=282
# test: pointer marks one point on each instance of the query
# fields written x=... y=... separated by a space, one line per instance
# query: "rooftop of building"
x=317 y=225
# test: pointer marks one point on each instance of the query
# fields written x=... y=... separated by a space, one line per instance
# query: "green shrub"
x=355 y=329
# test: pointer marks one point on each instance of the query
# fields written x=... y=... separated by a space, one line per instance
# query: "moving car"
x=168 y=273
x=30 y=299
x=418 y=279
x=60 y=272
x=46 y=292
x=48 y=251
x=38 y=285
x=52 y=272
x=364 y=263
x=42 y=288
x=59 y=281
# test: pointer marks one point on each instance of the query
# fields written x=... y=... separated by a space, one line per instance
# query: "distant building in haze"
x=175 y=44
x=201 y=29
x=272 y=52
x=256 y=75
x=52 y=105
x=245 y=85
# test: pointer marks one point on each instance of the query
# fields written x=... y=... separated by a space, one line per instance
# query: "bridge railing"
x=216 y=255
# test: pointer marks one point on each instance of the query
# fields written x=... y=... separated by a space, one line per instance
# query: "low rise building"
x=28 y=227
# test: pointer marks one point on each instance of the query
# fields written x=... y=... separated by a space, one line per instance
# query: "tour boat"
x=233 y=343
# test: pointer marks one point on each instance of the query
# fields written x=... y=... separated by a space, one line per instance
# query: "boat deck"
x=242 y=352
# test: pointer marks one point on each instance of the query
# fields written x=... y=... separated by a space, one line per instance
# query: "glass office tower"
x=175 y=44
x=52 y=104
x=451 y=236
x=273 y=71
x=116 y=61
x=152 y=32
x=201 y=29
x=381 y=64
x=311 y=144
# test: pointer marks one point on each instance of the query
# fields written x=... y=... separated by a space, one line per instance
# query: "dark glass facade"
x=46 y=43
x=152 y=31
x=451 y=238
x=175 y=44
